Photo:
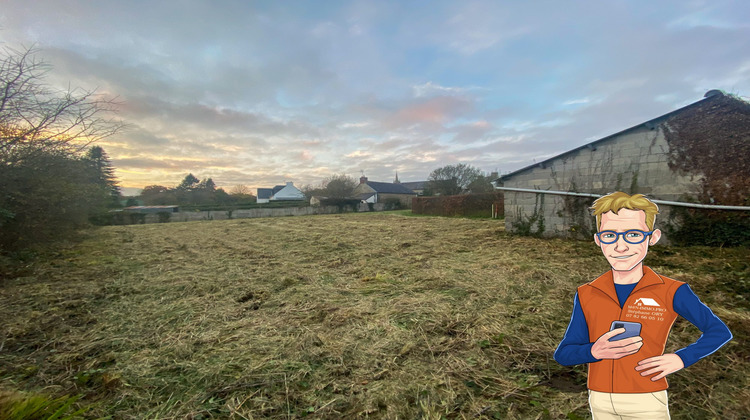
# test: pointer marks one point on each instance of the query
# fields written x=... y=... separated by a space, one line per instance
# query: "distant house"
x=416 y=186
x=286 y=192
x=641 y=159
x=378 y=192
x=264 y=194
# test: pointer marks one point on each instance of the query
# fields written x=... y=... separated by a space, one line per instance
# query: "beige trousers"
x=648 y=405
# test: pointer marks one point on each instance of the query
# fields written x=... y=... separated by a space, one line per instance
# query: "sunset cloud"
x=257 y=93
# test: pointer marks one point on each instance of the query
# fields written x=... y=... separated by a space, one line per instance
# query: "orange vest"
x=650 y=303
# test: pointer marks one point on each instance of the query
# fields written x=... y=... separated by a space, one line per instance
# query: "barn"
x=700 y=153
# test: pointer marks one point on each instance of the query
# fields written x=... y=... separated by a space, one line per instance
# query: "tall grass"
x=338 y=316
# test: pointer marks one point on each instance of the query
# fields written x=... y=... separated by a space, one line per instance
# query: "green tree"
x=104 y=173
x=482 y=184
x=189 y=183
x=158 y=195
x=338 y=186
x=44 y=205
x=454 y=180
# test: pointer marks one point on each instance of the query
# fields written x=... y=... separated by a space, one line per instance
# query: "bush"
x=690 y=226
x=46 y=199
x=137 y=218
x=341 y=203
x=393 y=204
x=468 y=205
x=164 y=216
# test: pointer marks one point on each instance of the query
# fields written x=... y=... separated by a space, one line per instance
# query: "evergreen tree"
x=104 y=173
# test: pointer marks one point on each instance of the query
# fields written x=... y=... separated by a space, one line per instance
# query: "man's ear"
x=655 y=237
x=596 y=240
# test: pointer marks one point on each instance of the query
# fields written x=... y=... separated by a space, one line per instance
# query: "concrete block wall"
x=634 y=162
x=193 y=216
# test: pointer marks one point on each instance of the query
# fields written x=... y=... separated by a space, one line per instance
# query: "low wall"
x=190 y=216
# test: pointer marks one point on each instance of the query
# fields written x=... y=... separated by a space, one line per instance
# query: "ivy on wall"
x=712 y=141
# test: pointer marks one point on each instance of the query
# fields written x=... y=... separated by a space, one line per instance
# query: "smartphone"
x=632 y=329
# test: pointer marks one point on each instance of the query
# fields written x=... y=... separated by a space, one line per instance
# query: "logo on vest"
x=645 y=309
x=647 y=302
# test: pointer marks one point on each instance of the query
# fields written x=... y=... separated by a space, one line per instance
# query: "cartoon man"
x=626 y=378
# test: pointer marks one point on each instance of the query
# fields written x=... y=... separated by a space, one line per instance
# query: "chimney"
x=363 y=179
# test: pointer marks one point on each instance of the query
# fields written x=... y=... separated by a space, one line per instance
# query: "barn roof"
x=711 y=95
x=388 y=188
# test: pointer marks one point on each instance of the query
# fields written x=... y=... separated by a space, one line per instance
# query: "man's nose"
x=621 y=245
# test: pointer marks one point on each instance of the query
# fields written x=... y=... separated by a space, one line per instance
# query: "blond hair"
x=616 y=201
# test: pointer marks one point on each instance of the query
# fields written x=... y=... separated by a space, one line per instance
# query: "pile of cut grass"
x=339 y=316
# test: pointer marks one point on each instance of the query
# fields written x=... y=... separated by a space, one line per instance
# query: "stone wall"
x=190 y=216
x=634 y=162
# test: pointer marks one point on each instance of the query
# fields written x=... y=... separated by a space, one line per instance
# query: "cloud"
x=256 y=93
x=432 y=111
x=429 y=89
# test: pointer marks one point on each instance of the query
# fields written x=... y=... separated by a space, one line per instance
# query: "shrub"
x=690 y=226
x=467 y=205
x=164 y=216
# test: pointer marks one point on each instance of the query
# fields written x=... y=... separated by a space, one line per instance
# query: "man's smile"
x=622 y=257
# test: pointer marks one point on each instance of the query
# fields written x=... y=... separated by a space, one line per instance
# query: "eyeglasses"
x=632 y=236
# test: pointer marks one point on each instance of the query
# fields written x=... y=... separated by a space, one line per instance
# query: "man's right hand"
x=605 y=349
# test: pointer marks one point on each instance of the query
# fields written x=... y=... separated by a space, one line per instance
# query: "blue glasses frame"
x=642 y=236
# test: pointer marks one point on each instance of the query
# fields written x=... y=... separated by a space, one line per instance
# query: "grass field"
x=340 y=316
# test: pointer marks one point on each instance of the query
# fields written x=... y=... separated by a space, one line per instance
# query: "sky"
x=258 y=93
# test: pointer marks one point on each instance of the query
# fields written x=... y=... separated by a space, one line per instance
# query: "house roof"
x=288 y=192
x=711 y=95
x=388 y=188
x=265 y=192
x=416 y=185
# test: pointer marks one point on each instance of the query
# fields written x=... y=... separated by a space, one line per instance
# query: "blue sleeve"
x=575 y=348
x=715 y=332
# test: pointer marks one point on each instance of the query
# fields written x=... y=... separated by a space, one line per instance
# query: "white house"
x=286 y=192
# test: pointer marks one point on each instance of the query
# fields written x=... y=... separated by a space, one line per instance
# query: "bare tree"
x=46 y=188
x=240 y=189
x=34 y=117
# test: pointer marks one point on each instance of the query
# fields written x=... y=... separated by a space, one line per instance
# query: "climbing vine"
x=712 y=141
x=531 y=225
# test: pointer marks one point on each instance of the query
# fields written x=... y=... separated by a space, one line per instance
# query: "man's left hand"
x=666 y=364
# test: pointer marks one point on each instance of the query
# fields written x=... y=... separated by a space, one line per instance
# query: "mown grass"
x=339 y=316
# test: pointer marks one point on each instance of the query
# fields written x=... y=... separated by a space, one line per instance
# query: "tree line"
x=53 y=182
x=447 y=180
x=194 y=192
